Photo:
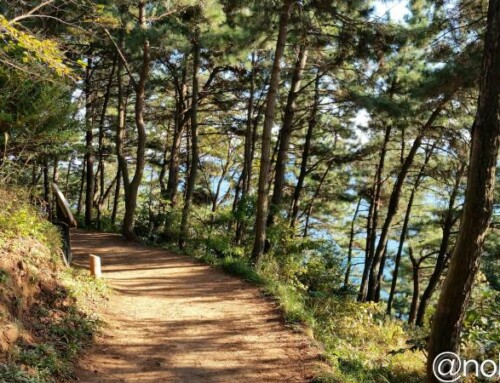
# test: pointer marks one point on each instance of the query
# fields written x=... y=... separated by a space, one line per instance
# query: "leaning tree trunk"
x=313 y=120
x=265 y=160
x=179 y=123
x=404 y=230
x=193 y=168
x=479 y=195
x=392 y=209
x=314 y=198
x=372 y=221
x=442 y=257
x=286 y=134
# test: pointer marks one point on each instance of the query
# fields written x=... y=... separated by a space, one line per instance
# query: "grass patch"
x=11 y=372
x=60 y=327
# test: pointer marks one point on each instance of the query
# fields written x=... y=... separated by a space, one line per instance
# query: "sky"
x=396 y=9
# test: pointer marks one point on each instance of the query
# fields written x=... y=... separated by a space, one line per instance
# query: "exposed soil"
x=170 y=319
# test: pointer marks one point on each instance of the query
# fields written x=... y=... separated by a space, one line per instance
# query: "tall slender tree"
x=265 y=158
x=464 y=265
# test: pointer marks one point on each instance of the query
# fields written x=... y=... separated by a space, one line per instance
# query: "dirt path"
x=173 y=320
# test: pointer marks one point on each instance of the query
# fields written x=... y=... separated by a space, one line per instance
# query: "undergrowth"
x=356 y=336
x=46 y=309
x=305 y=278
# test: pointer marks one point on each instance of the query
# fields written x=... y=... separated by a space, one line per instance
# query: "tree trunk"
x=55 y=174
x=380 y=274
x=224 y=170
x=240 y=226
x=351 y=242
x=305 y=155
x=82 y=186
x=244 y=182
x=100 y=166
x=313 y=200
x=372 y=221
x=247 y=161
x=46 y=188
x=132 y=188
x=193 y=169
x=404 y=230
x=179 y=123
x=120 y=130
x=285 y=135
x=394 y=203
x=415 y=267
x=443 y=250
x=263 y=190
x=89 y=122
x=165 y=162
x=116 y=198
x=68 y=175
x=457 y=286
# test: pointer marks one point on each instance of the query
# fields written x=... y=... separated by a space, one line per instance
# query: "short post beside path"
x=95 y=266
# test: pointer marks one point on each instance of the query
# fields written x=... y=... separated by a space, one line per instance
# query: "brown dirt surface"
x=171 y=319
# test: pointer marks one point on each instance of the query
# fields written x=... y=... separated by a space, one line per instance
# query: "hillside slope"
x=44 y=320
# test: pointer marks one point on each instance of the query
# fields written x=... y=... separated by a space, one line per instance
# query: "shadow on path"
x=170 y=319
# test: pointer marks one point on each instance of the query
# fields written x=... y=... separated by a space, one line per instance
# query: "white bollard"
x=95 y=265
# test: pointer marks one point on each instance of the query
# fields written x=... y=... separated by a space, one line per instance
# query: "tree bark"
x=116 y=198
x=89 y=191
x=404 y=230
x=286 y=134
x=179 y=123
x=305 y=155
x=380 y=274
x=247 y=160
x=442 y=257
x=394 y=203
x=131 y=188
x=82 y=186
x=351 y=242
x=315 y=196
x=457 y=286
x=222 y=177
x=372 y=221
x=263 y=189
x=193 y=168
x=415 y=267
x=100 y=166
x=254 y=123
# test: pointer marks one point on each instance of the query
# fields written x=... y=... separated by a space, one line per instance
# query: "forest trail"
x=170 y=319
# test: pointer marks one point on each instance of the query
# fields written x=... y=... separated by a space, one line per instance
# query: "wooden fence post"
x=95 y=265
